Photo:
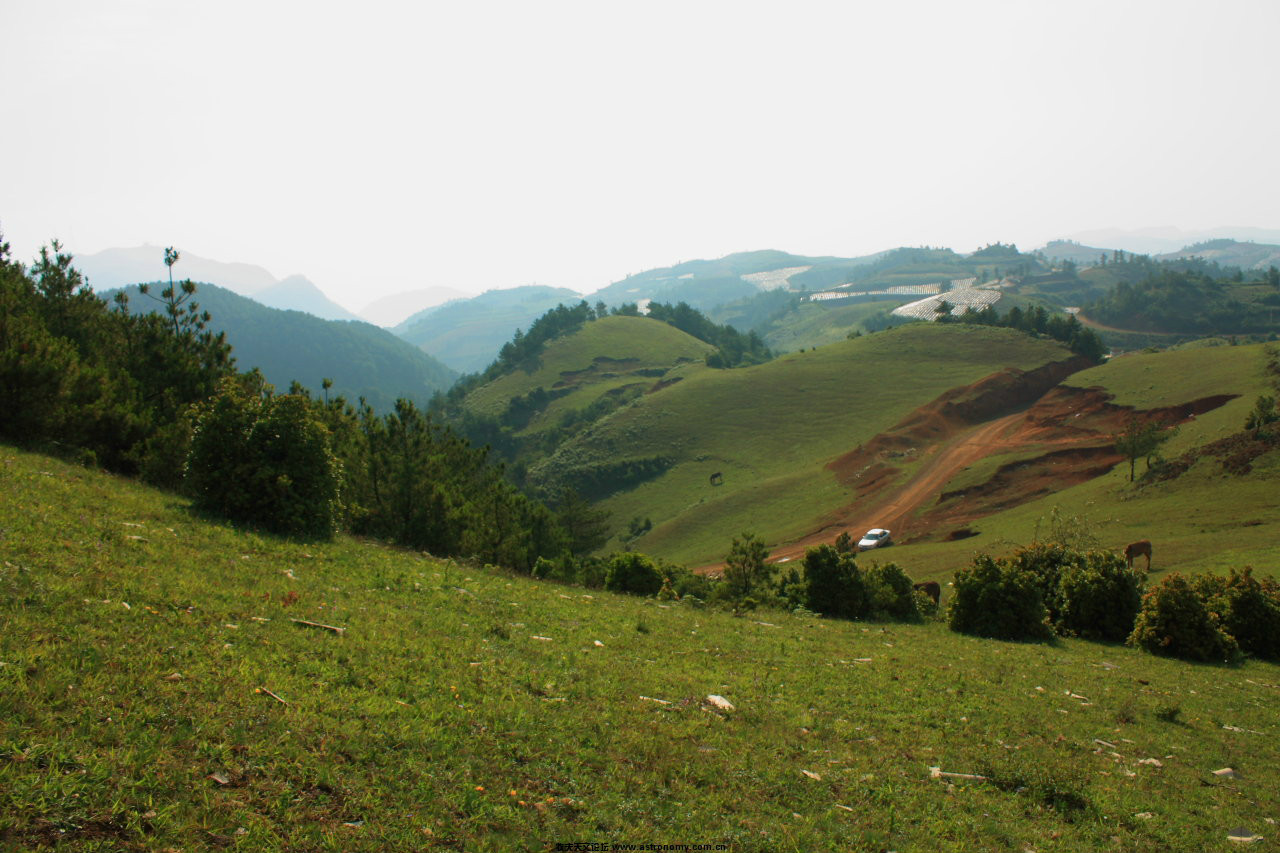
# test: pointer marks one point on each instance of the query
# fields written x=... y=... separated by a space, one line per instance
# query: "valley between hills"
x=207 y=645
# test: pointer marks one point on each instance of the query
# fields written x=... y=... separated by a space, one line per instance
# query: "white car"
x=876 y=537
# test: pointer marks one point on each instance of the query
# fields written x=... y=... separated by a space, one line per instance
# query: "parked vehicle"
x=876 y=537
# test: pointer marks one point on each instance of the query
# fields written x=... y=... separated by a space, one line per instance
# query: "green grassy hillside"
x=1205 y=519
x=159 y=693
x=771 y=429
x=603 y=356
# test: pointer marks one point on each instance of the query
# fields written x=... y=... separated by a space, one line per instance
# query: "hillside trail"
x=937 y=468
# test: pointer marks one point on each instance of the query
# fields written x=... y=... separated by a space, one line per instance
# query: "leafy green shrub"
x=997 y=598
x=687 y=584
x=834 y=586
x=1090 y=594
x=890 y=593
x=634 y=573
x=1249 y=610
x=1098 y=597
x=264 y=460
x=1174 y=622
x=592 y=572
x=745 y=570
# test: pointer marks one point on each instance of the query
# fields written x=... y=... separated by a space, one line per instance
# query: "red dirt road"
x=1062 y=437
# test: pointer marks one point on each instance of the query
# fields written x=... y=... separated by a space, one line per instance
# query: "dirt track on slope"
x=1060 y=436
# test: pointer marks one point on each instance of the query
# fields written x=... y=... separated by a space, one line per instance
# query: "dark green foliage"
x=416 y=483
x=82 y=379
x=732 y=347
x=601 y=479
x=834 y=586
x=1039 y=321
x=1141 y=440
x=1249 y=610
x=264 y=460
x=1175 y=622
x=745 y=571
x=1263 y=415
x=890 y=593
x=586 y=527
x=1086 y=593
x=1176 y=300
x=634 y=573
x=1099 y=597
x=999 y=599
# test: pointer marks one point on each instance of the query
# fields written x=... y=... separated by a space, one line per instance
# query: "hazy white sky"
x=383 y=146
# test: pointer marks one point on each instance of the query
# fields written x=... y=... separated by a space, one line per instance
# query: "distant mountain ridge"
x=298 y=293
x=115 y=268
x=363 y=360
x=467 y=334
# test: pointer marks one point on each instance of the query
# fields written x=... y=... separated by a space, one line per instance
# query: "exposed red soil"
x=1067 y=433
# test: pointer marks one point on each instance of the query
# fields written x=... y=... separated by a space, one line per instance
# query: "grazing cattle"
x=931 y=589
x=1134 y=550
x=717 y=478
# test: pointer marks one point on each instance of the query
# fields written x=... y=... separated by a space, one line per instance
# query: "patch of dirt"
x=664 y=383
x=1067 y=433
x=602 y=367
x=1235 y=452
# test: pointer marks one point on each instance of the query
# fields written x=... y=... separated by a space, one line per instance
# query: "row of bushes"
x=1049 y=589
x=1045 y=589
x=1211 y=618
x=828 y=582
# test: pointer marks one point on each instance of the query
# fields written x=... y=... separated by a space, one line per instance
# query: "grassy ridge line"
x=1201 y=521
x=649 y=343
x=442 y=719
x=771 y=428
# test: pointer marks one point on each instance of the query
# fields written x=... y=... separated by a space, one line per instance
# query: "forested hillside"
x=362 y=360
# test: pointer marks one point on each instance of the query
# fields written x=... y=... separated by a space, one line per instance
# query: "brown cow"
x=931 y=589
x=1134 y=550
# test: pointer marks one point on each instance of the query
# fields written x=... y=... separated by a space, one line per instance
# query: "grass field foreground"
x=159 y=694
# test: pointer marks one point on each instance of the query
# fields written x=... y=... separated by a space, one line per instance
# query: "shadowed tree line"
x=157 y=395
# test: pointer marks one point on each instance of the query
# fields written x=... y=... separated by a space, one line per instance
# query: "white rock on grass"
x=720 y=702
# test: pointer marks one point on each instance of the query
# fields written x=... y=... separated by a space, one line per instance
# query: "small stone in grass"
x=1241 y=835
x=720 y=702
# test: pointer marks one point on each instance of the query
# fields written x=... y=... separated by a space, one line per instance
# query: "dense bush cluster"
x=831 y=583
x=1183 y=301
x=265 y=460
x=999 y=599
x=1045 y=589
x=1210 y=618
